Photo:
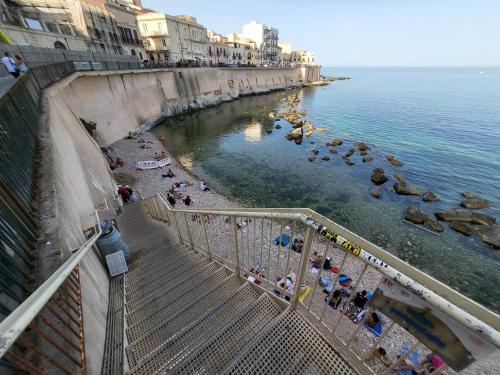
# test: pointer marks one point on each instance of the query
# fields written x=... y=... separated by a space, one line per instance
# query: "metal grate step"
x=113 y=345
x=137 y=290
x=147 y=335
x=214 y=354
x=291 y=345
x=141 y=268
x=197 y=332
x=154 y=302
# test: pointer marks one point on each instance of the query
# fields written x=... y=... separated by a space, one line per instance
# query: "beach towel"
x=377 y=330
x=414 y=358
x=304 y=294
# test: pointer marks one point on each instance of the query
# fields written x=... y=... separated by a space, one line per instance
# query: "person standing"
x=10 y=65
x=21 y=64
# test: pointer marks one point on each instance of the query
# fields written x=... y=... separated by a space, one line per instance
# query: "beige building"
x=172 y=39
x=300 y=57
x=217 y=49
x=286 y=50
x=251 y=54
x=107 y=26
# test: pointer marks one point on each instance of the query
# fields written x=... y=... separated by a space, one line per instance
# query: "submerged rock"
x=400 y=178
x=363 y=153
x=416 y=215
x=325 y=157
x=434 y=225
x=277 y=126
x=461 y=228
x=378 y=177
x=349 y=162
x=349 y=154
x=475 y=203
x=404 y=189
x=298 y=141
x=367 y=159
x=463 y=215
x=468 y=194
x=333 y=151
x=335 y=142
x=376 y=192
x=429 y=196
x=362 y=146
x=315 y=151
x=312 y=158
x=490 y=235
x=268 y=131
x=394 y=161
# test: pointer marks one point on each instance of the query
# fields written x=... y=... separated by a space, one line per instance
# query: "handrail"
x=487 y=326
x=15 y=324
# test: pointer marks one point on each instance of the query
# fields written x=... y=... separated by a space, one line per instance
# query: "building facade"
x=107 y=26
x=300 y=57
x=217 y=51
x=266 y=39
x=286 y=51
x=251 y=54
x=172 y=39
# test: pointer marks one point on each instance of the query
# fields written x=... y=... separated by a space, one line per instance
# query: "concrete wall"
x=122 y=101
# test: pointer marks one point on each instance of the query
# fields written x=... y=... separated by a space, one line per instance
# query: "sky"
x=369 y=33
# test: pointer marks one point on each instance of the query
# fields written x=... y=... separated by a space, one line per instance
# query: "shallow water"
x=444 y=124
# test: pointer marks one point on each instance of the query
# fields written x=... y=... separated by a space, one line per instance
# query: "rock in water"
x=349 y=162
x=272 y=115
x=475 y=203
x=363 y=153
x=298 y=141
x=429 y=196
x=315 y=151
x=390 y=157
x=367 y=159
x=404 y=189
x=312 y=158
x=396 y=162
x=349 y=154
x=325 y=157
x=490 y=235
x=468 y=194
x=416 y=215
x=400 y=178
x=333 y=151
x=463 y=215
x=378 y=177
x=335 y=142
x=277 y=126
x=376 y=192
x=362 y=146
x=434 y=225
x=269 y=131
x=297 y=125
x=461 y=228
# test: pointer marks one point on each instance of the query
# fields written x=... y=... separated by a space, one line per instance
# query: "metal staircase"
x=186 y=314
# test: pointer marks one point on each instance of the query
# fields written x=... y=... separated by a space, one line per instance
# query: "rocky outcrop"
x=475 y=203
x=434 y=225
x=463 y=215
x=295 y=134
x=378 y=177
x=376 y=192
x=461 y=228
x=367 y=159
x=405 y=189
x=429 y=196
x=416 y=215
x=490 y=235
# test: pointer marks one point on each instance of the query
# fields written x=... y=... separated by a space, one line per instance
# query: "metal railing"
x=270 y=244
x=45 y=334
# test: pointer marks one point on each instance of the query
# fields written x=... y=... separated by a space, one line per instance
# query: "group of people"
x=15 y=66
x=144 y=144
x=160 y=155
x=431 y=363
x=118 y=162
x=172 y=199
x=127 y=194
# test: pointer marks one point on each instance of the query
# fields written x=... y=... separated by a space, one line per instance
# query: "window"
x=140 y=56
x=65 y=29
x=59 y=45
x=164 y=42
x=160 y=27
x=33 y=24
x=136 y=38
x=145 y=27
x=51 y=27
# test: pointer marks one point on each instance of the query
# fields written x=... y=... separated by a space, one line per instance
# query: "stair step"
x=147 y=306
x=197 y=332
x=212 y=355
x=139 y=266
x=145 y=337
x=163 y=277
x=290 y=345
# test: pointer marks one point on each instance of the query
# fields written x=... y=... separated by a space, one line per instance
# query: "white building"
x=266 y=39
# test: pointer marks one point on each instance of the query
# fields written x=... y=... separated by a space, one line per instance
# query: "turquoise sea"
x=444 y=124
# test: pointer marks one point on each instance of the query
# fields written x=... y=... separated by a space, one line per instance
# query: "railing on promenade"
x=44 y=334
x=269 y=245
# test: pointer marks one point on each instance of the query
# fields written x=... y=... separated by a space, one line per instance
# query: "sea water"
x=443 y=124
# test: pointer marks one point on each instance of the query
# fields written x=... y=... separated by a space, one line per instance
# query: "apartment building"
x=266 y=39
x=286 y=50
x=251 y=54
x=300 y=57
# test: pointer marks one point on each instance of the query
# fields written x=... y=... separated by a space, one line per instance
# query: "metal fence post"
x=234 y=228
x=190 y=238
x=177 y=227
x=303 y=265
x=209 y=253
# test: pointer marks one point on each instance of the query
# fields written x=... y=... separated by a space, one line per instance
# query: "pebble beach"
x=149 y=182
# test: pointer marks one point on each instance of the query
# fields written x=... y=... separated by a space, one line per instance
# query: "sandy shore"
x=150 y=182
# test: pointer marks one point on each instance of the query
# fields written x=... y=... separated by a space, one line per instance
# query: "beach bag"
x=325 y=282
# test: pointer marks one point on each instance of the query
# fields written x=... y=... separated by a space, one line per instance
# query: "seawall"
x=121 y=101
